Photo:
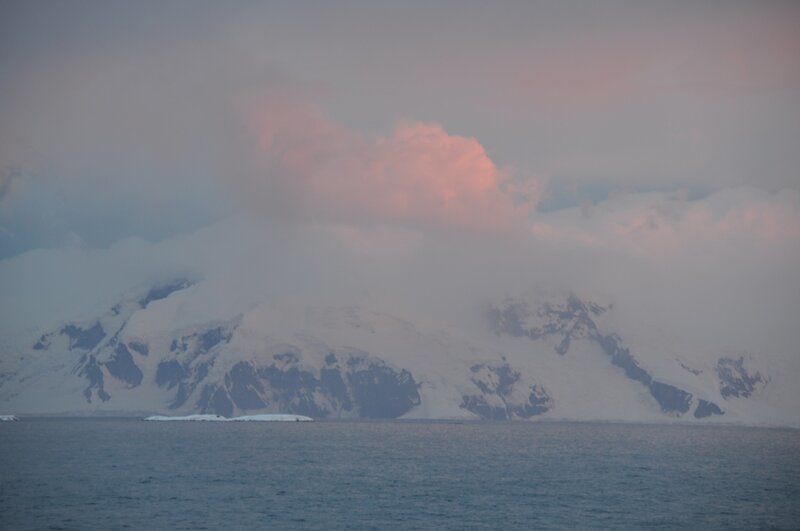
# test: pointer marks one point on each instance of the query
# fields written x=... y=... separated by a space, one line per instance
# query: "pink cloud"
x=661 y=227
x=417 y=176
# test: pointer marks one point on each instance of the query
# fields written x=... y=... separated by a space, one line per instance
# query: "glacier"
x=531 y=356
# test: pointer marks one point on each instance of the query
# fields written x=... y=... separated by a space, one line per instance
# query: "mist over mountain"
x=198 y=325
x=248 y=210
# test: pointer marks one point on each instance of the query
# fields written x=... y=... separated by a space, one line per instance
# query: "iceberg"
x=8 y=418
x=271 y=417
x=195 y=418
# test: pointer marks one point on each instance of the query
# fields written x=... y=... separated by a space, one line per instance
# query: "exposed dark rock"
x=213 y=337
x=499 y=381
x=84 y=339
x=122 y=367
x=670 y=398
x=735 y=380
x=478 y=404
x=294 y=388
x=164 y=291
x=170 y=373
x=200 y=343
x=332 y=385
x=689 y=369
x=563 y=346
x=306 y=405
x=538 y=403
x=509 y=319
x=621 y=357
x=597 y=309
x=138 y=347
x=287 y=357
x=367 y=387
x=92 y=371
x=215 y=399
x=201 y=371
x=184 y=392
x=706 y=409
x=115 y=338
x=43 y=343
x=569 y=322
x=574 y=320
x=382 y=392
x=287 y=383
x=245 y=386
x=505 y=375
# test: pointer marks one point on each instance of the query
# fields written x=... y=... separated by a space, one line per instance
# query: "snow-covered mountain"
x=530 y=357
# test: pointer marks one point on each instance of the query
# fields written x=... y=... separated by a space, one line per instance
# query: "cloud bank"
x=419 y=175
x=272 y=154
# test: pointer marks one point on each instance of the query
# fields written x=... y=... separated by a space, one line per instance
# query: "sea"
x=112 y=473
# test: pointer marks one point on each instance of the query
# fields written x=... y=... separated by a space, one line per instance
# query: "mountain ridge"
x=540 y=357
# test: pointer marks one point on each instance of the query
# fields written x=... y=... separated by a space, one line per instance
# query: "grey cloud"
x=128 y=123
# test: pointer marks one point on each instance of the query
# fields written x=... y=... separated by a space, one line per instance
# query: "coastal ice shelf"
x=243 y=418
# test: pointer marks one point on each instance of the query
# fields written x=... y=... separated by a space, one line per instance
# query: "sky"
x=418 y=155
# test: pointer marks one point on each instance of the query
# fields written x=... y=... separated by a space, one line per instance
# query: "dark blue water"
x=117 y=473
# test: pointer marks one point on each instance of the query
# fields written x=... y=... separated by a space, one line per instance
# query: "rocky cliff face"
x=353 y=363
x=504 y=394
x=348 y=385
x=735 y=380
x=574 y=320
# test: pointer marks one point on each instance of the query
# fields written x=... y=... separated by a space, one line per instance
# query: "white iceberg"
x=196 y=418
x=8 y=418
x=271 y=417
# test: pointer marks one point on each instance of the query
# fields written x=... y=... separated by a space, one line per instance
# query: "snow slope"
x=531 y=356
